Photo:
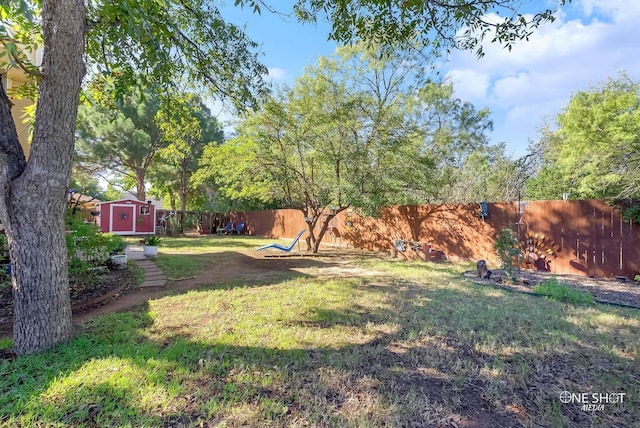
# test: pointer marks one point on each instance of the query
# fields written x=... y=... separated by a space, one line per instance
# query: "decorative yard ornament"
x=484 y=210
x=348 y=222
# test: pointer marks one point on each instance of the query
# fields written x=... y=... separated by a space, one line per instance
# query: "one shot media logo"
x=592 y=401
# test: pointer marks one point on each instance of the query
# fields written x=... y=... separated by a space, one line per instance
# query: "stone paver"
x=147 y=273
x=154 y=283
x=147 y=264
x=153 y=276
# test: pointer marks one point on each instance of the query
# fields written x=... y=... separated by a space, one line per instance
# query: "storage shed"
x=128 y=217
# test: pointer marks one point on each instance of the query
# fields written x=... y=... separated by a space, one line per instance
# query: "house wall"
x=13 y=79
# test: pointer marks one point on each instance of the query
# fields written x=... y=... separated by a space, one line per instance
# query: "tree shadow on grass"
x=448 y=355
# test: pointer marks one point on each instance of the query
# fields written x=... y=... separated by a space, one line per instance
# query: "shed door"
x=122 y=218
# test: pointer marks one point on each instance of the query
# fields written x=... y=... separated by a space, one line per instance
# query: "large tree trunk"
x=183 y=213
x=313 y=241
x=184 y=190
x=33 y=201
x=141 y=193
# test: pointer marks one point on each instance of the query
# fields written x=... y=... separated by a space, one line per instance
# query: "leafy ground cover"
x=345 y=339
x=563 y=293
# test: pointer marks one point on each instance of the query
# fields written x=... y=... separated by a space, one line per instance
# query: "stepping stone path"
x=153 y=276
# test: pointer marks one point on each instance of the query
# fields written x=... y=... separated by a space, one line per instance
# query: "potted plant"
x=116 y=246
x=119 y=261
x=150 y=247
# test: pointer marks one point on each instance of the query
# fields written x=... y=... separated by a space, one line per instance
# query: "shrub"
x=114 y=243
x=562 y=292
x=4 y=246
x=87 y=248
x=508 y=250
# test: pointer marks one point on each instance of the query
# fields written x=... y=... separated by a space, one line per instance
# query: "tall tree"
x=485 y=174
x=450 y=131
x=123 y=140
x=594 y=151
x=326 y=142
x=160 y=40
x=188 y=127
x=352 y=132
x=33 y=193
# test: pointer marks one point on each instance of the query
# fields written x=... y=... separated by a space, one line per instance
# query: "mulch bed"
x=610 y=291
x=111 y=285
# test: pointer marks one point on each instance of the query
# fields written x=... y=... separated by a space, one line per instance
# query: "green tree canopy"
x=123 y=140
x=594 y=152
x=188 y=127
x=170 y=42
x=439 y=25
x=174 y=42
x=353 y=131
x=485 y=174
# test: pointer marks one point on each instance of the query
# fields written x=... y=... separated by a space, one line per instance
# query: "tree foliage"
x=170 y=42
x=20 y=38
x=595 y=150
x=485 y=174
x=354 y=131
x=174 y=41
x=123 y=140
x=188 y=127
x=85 y=184
x=438 y=25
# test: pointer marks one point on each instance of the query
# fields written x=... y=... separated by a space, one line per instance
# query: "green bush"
x=88 y=248
x=507 y=248
x=563 y=293
x=114 y=243
x=4 y=246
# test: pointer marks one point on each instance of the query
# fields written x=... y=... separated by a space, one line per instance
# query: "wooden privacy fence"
x=567 y=237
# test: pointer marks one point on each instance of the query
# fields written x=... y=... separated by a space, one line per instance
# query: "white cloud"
x=617 y=10
x=469 y=84
x=588 y=43
x=277 y=74
x=512 y=86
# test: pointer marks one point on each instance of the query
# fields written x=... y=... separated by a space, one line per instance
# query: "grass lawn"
x=398 y=344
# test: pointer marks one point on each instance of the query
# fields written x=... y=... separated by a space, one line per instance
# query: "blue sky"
x=590 y=41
